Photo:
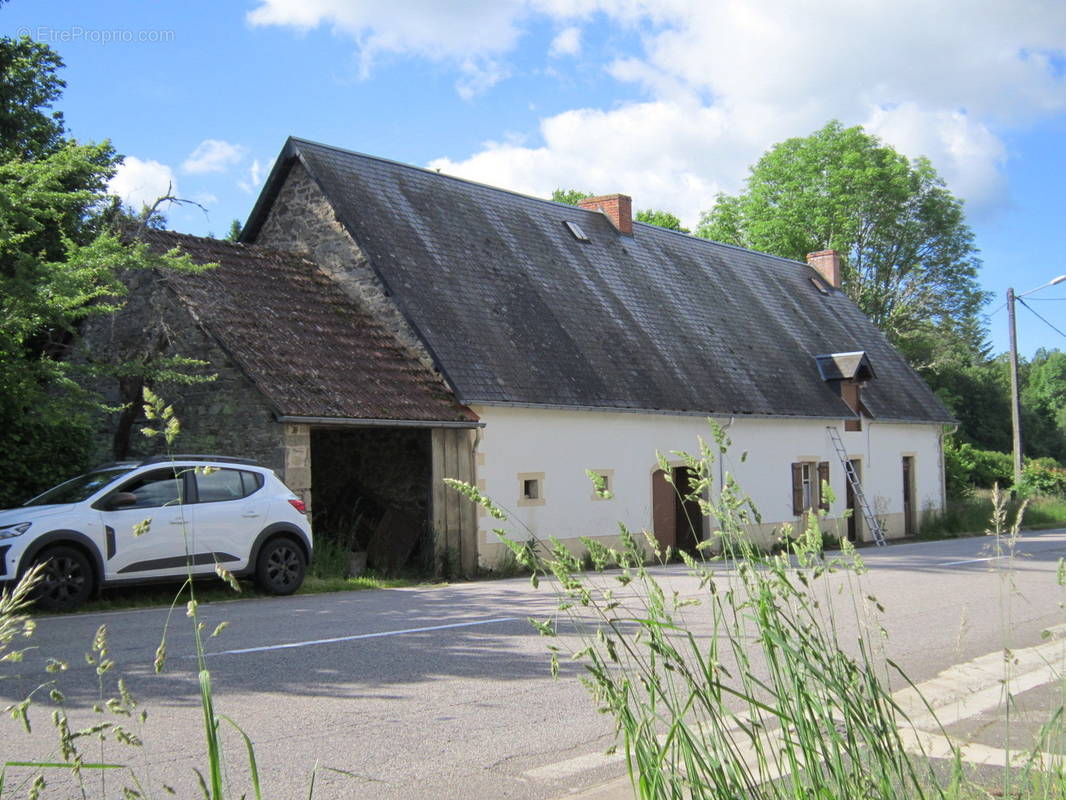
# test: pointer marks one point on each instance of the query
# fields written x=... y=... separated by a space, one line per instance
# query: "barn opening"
x=371 y=493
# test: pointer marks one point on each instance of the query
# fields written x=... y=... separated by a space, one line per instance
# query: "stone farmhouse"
x=381 y=326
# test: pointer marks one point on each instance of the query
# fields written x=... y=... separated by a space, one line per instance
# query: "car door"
x=231 y=510
x=134 y=549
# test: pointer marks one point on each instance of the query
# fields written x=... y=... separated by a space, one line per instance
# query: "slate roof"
x=516 y=310
x=308 y=348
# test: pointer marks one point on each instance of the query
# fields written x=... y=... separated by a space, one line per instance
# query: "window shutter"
x=823 y=478
x=797 y=489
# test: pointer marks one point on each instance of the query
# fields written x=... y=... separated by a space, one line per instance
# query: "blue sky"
x=669 y=101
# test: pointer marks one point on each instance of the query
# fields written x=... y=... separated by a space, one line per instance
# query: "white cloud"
x=662 y=154
x=969 y=157
x=469 y=33
x=254 y=178
x=140 y=183
x=566 y=43
x=213 y=155
x=725 y=79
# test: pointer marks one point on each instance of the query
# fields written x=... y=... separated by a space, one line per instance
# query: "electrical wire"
x=1060 y=333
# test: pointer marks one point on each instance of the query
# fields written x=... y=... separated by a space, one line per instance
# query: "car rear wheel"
x=66 y=580
x=281 y=566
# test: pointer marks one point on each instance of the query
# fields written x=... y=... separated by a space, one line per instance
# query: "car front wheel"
x=66 y=580
x=281 y=566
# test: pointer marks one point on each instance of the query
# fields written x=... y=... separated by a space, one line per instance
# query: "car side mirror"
x=121 y=500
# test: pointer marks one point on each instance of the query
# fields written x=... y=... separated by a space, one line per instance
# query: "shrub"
x=966 y=467
x=1042 y=476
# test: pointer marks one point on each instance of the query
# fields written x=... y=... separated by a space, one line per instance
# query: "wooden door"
x=663 y=510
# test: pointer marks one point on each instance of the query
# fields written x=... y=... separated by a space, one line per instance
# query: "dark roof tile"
x=309 y=348
x=515 y=310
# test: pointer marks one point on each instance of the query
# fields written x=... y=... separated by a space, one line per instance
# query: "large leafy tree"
x=60 y=257
x=908 y=255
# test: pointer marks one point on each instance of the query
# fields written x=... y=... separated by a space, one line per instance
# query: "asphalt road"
x=445 y=692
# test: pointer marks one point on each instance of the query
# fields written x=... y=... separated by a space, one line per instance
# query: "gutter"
x=704 y=414
x=381 y=423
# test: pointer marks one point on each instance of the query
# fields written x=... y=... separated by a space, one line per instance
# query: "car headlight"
x=19 y=528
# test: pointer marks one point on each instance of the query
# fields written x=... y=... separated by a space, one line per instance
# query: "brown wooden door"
x=663 y=510
x=688 y=518
x=908 y=496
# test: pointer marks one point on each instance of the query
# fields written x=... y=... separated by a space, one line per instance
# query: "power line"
x=1060 y=333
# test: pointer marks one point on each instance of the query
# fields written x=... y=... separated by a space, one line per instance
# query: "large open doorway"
x=370 y=490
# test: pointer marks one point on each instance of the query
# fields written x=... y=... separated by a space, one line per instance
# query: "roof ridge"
x=252 y=248
x=439 y=174
x=513 y=193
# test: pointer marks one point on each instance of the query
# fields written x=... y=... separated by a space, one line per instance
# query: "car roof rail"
x=199 y=457
x=113 y=464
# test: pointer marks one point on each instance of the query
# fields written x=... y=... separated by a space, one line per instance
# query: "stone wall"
x=302 y=220
x=225 y=415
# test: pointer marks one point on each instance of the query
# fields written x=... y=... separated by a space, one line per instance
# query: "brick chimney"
x=617 y=207
x=827 y=262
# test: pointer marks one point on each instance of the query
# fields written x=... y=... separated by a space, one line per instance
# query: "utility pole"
x=1015 y=401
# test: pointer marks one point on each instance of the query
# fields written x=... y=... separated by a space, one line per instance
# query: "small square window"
x=530 y=488
x=602 y=483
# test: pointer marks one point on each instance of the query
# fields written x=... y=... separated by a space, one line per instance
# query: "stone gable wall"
x=302 y=220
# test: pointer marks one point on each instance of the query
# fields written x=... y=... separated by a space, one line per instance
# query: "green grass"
x=327 y=573
x=969 y=516
x=213 y=590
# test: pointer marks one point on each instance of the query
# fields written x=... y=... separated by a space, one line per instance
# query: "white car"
x=154 y=520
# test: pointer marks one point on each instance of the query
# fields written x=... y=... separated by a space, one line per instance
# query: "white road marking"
x=969 y=561
x=354 y=637
x=572 y=766
x=956 y=694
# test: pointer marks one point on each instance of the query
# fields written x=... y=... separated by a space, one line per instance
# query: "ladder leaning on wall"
x=856 y=488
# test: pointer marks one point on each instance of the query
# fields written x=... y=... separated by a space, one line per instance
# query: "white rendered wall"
x=563 y=444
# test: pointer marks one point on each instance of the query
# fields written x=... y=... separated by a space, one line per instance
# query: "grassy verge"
x=969 y=516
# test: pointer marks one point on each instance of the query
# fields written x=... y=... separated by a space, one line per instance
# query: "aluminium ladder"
x=856 y=488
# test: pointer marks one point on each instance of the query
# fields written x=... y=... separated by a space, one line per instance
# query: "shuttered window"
x=807 y=480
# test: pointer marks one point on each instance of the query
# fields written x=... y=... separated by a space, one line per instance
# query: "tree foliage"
x=663 y=219
x=569 y=196
x=28 y=88
x=60 y=259
x=907 y=254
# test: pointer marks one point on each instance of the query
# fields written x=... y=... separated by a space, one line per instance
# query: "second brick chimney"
x=617 y=207
x=827 y=262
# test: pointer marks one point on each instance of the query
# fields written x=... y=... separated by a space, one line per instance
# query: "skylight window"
x=575 y=229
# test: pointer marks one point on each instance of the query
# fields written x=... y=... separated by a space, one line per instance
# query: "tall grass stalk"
x=746 y=682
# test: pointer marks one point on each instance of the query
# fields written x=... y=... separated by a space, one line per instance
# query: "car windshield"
x=77 y=489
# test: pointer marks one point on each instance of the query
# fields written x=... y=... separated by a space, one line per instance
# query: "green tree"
x=28 y=87
x=569 y=196
x=663 y=219
x=907 y=254
x=234 y=234
x=59 y=263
